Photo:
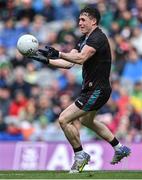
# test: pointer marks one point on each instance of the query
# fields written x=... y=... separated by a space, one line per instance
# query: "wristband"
x=60 y=54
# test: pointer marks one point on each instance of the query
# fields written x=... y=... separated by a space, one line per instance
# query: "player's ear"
x=94 y=21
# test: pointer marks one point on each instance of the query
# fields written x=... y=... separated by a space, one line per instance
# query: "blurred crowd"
x=32 y=95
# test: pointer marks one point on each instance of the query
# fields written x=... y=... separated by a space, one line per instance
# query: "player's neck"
x=87 y=35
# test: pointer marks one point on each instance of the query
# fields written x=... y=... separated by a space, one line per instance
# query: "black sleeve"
x=95 y=41
x=78 y=44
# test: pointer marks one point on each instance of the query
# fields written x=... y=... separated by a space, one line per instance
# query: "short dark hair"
x=93 y=12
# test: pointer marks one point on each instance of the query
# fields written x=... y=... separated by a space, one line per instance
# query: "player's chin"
x=83 y=31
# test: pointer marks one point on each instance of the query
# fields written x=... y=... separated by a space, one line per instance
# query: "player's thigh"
x=71 y=113
x=87 y=120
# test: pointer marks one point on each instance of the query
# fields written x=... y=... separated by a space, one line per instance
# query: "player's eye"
x=81 y=19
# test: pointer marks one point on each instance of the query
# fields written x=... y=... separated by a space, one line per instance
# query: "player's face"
x=86 y=23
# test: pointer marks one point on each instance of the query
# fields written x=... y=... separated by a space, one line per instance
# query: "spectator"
x=65 y=101
x=68 y=29
x=4 y=67
x=73 y=87
x=136 y=40
x=19 y=102
x=37 y=5
x=3 y=125
x=136 y=97
x=35 y=91
x=18 y=61
x=13 y=131
x=19 y=82
x=26 y=10
x=106 y=15
x=31 y=74
x=121 y=6
x=48 y=11
x=23 y=26
x=126 y=19
x=2 y=9
x=115 y=84
x=27 y=117
x=8 y=35
x=45 y=111
x=68 y=9
x=133 y=68
x=135 y=126
x=5 y=100
x=8 y=9
x=37 y=28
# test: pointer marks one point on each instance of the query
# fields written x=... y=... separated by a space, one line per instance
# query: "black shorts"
x=93 y=99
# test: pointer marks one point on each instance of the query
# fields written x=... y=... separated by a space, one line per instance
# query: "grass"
x=66 y=175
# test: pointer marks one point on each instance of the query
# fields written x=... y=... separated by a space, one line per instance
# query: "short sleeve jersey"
x=96 y=69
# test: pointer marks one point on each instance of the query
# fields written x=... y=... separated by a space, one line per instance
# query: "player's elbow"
x=82 y=59
x=69 y=66
x=81 y=62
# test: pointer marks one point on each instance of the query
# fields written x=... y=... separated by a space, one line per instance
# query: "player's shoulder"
x=98 y=36
x=98 y=33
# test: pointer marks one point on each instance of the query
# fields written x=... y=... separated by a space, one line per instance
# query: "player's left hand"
x=50 y=52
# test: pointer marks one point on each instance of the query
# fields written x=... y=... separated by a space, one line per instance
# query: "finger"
x=43 y=52
x=48 y=48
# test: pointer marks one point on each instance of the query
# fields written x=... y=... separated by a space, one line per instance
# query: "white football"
x=27 y=44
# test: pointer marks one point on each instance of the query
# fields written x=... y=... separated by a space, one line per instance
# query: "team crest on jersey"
x=90 y=84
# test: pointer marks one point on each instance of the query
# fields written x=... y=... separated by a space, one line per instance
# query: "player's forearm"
x=60 y=63
x=73 y=57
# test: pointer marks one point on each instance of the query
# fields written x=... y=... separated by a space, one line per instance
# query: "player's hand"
x=51 y=52
x=40 y=56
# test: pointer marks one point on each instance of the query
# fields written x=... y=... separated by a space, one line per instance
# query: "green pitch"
x=66 y=175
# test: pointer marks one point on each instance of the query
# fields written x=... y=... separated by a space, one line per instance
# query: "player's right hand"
x=40 y=56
